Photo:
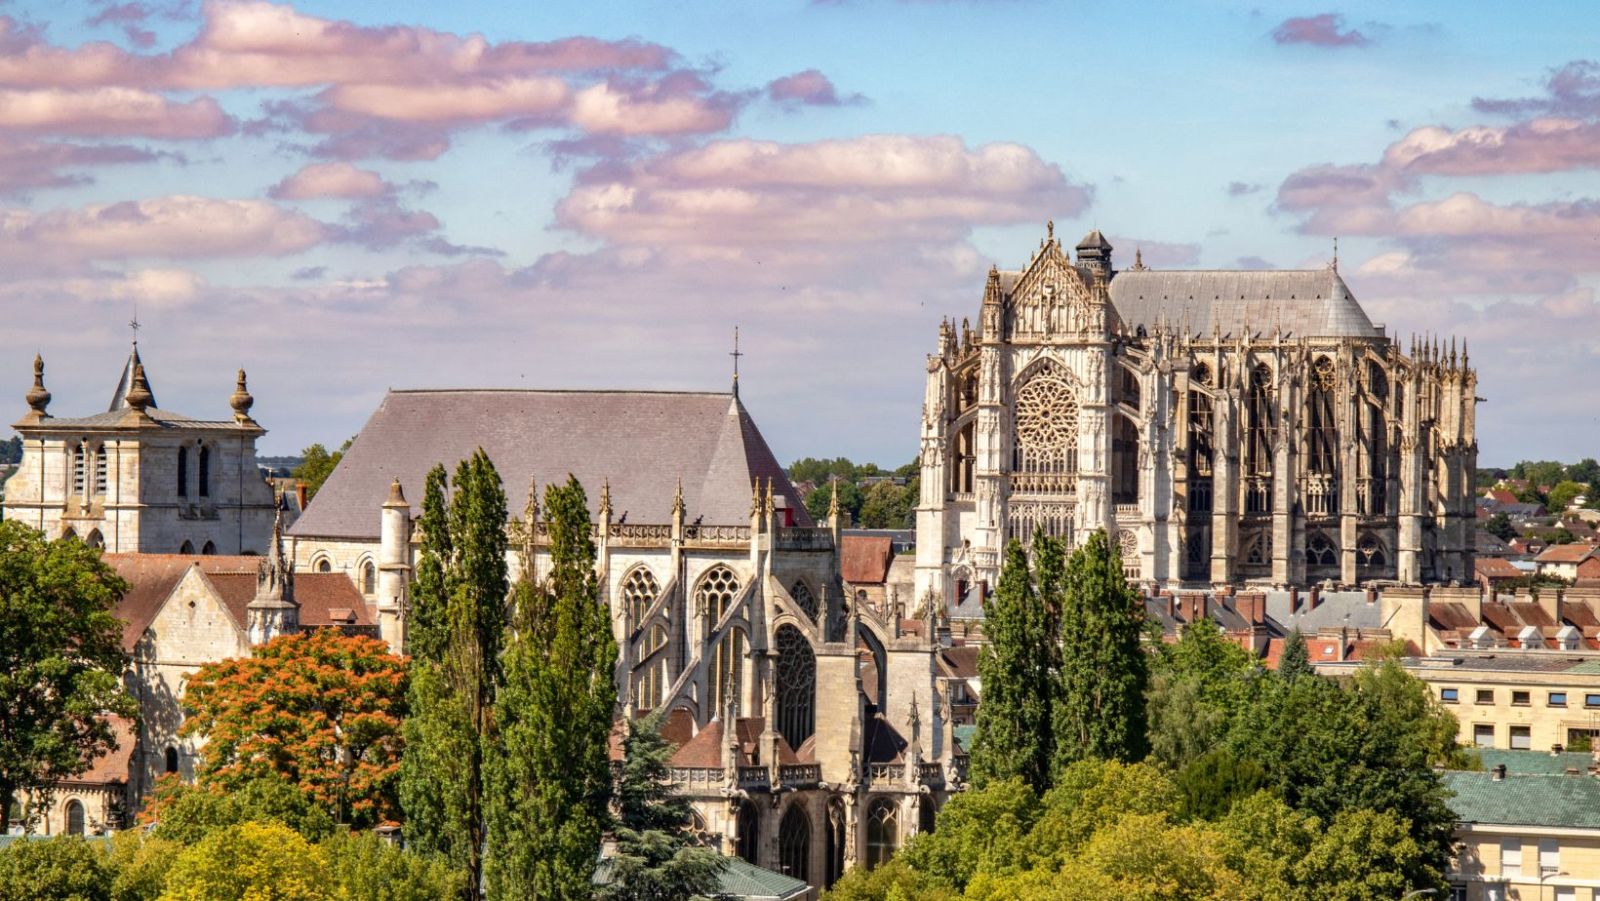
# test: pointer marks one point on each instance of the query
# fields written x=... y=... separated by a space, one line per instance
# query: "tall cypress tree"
x=1100 y=706
x=458 y=616
x=550 y=775
x=1014 y=737
x=1295 y=661
x=656 y=859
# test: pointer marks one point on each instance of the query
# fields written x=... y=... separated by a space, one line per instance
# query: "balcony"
x=886 y=773
x=755 y=777
x=804 y=539
x=1044 y=482
x=800 y=775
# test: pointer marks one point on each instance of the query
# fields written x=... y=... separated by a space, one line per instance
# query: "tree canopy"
x=316 y=464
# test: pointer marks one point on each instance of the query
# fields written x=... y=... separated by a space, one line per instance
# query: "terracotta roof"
x=1503 y=496
x=151 y=579
x=113 y=766
x=1499 y=617
x=325 y=599
x=703 y=750
x=960 y=662
x=1450 y=615
x=1496 y=568
x=865 y=559
x=643 y=442
x=1565 y=553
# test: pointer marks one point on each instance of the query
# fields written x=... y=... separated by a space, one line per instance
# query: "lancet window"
x=727 y=672
x=1322 y=429
x=639 y=591
x=964 y=459
x=804 y=599
x=794 y=844
x=717 y=589
x=796 y=686
x=1260 y=422
x=883 y=831
x=205 y=471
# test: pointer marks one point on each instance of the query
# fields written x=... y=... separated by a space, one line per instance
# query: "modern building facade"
x=1224 y=427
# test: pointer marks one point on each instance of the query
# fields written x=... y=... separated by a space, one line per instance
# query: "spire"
x=241 y=401
x=755 y=497
x=1335 y=264
x=677 y=499
x=38 y=397
x=767 y=505
x=605 y=501
x=1138 y=260
x=273 y=612
x=833 y=501
x=119 y=400
x=736 y=355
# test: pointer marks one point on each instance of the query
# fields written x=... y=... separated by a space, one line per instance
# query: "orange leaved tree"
x=321 y=710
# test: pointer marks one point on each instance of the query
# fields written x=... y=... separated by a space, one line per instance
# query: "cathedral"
x=813 y=734
x=1226 y=427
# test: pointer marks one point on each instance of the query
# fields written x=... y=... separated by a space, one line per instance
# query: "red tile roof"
x=111 y=767
x=151 y=579
x=1495 y=568
x=1566 y=553
x=865 y=559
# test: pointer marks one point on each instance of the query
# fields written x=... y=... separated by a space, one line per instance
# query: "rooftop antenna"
x=736 y=355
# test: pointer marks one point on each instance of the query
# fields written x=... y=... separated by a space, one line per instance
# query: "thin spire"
x=1335 y=265
x=736 y=355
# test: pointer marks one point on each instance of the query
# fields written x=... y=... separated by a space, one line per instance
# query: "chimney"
x=1315 y=599
x=1500 y=773
x=300 y=495
x=1294 y=599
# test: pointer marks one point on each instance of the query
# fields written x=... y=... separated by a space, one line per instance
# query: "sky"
x=344 y=197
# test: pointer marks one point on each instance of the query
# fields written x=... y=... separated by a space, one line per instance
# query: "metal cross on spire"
x=134 y=324
x=736 y=355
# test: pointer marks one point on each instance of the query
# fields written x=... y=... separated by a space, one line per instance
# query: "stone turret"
x=273 y=611
x=394 y=567
x=1094 y=254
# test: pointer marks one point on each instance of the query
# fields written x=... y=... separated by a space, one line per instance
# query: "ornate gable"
x=1051 y=298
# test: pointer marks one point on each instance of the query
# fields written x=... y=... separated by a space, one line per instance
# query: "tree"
x=1366 y=855
x=1562 y=494
x=550 y=771
x=850 y=501
x=61 y=660
x=140 y=864
x=1014 y=733
x=459 y=604
x=1100 y=706
x=323 y=710
x=887 y=506
x=1586 y=471
x=316 y=464
x=1211 y=784
x=267 y=861
x=185 y=813
x=65 y=868
x=364 y=867
x=1499 y=525
x=656 y=857
x=979 y=830
x=1295 y=661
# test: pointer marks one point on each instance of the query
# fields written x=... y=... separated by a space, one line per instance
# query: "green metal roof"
x=1533 y=762
x=965 y=735
x=1523 y=799
x=745 y=880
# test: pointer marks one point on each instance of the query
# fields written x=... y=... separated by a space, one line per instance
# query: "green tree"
x=850 y=501
x=61 y=660
x=1586 y=471
x=460 y=603
x=65 y=868
x=887 y=506
x=364 y=867
x=320 y=709
x=1100 y=707
x=1562 y=494
x=1295 y=661
x=1366 y=855
x=1014 y=731
x=265 y=861
x=1499 y=525
x=979 y=830
x=1539 y=473
x=656 y=857
x=140 y=863
x=550 y=772
x=316 y=464
x=185 y=813
x=1211 y=784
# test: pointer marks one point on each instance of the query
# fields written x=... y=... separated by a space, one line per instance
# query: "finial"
x=134 y=325
x=139 y=396
x=530 y=512
x=677 y=499
x=605 y=499
x=1138 y=259
x=241 y=401
x=755 y=497
x=766 y=502
x=736 y=355
x=1050 y=229
x=397 y=497
x=38 y=398
x=1463 y=353
x=1335 y=265
x=833 y=502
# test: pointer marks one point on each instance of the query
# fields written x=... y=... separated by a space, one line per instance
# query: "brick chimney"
x=300 y=495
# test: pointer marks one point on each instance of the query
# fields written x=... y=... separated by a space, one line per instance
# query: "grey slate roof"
x=1525 y=800
x=1334 y=609
x=1303 y=303
x=643 y=442
x=163 y=418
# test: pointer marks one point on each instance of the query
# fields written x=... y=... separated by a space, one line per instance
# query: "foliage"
x=65 y=868
x=819 y=499
x=1539 y=472
x=1200 y=684
x=140 y=863
x=887 y=504
x=320 y=709
x=1211 y=784
x=1499 y=525
x=978 y=830
x=890 y=506
x=656 y=858
x=550 y=773
x=1090 y=794
x=61 y=660
x=11 y=450
x=316 y=464
x=459 y=604
x=893 y=881
x=250 y=862
x=364 y=867
x=1017 y=669
x=186 y=813
x=1295 y=661
x=1100 y=708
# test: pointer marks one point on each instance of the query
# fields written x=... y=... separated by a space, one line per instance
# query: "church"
x=814 y=733
x=1225 y=427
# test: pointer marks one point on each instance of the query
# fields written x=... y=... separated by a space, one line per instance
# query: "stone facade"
x=138 y=479
x=1223 y=427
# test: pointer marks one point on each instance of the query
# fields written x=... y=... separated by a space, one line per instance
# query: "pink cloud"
x=1319 y=31
x=1571 y=90
x=677 y=106
x=110 y=111
x=808 y=88
x=1156 y=254
x=340 y=179
x=171 y=227
x=1540 y=145
x=27 y=165
x=453 y=103
x=376 y=224
x=873 y=189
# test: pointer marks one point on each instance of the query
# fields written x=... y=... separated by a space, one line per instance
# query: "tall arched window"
x=79 y=469
x=718 y=587
x=1259 y=422
x=883 y=831
x=1046 y=445
x=794 y=844
x=639 y=591
x=1202 y=451
x=172 y=759
x=369 y=578
x=1322 y=433
x=75 y=818
x=727 y=672
x=651 y=683
x=804 y=599
x=205 y=471
x=183 y=472
x=796 y=686
x=749 y=843
x=101 y=471
x=836 y=841
x=964 y=459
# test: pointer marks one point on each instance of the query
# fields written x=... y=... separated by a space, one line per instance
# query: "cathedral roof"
x=641 y=442
x=1301 y=303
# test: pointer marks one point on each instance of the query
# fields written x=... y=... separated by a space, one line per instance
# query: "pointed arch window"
x=1322 y=432
x=369 y=578
x=717 y=589
x=749 y=824
x=836 y=841
x=1047 y=429
x=205 y=471
x=796 y=686
x=186 y=549
x=183 y=472
x=794 y=844
x=727 y=672
x=639 y=591
x=883 y=831
x=95 y=539
x=804 y=599
x=1320 y=551
x=1259 y=423
x=209 y=549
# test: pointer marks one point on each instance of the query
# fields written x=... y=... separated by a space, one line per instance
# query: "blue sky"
x=342 y=197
